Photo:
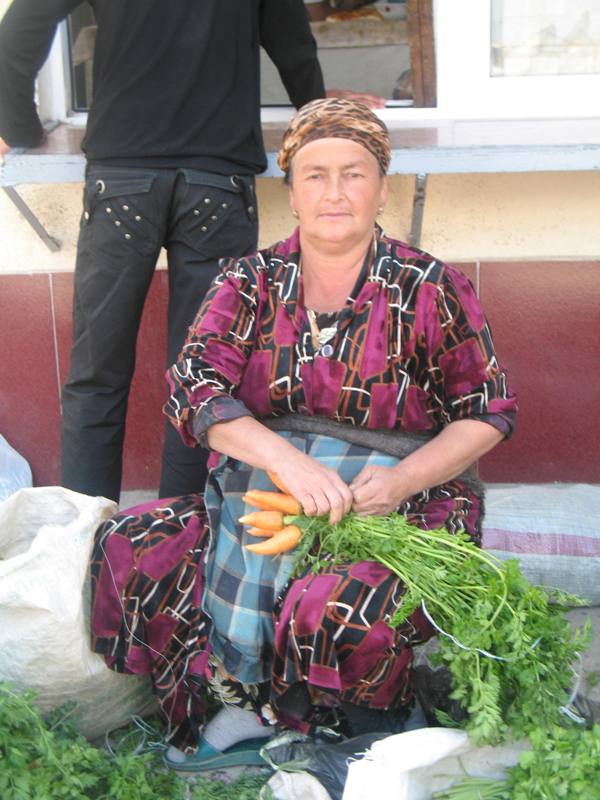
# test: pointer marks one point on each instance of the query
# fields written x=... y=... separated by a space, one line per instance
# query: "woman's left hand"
x=378 y=490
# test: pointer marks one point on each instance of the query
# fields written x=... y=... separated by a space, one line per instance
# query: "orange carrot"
x=281 y=542
x=278 y=483
x=262 y=532
x=270 y=520
x=250 y=500
x=273 y=501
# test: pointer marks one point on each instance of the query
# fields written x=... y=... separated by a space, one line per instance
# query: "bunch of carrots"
x=273 y=521
x=507 y=643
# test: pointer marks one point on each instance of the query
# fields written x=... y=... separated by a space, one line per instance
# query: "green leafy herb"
x=507 y=643
x=47 y=759
x=476 y=789
x=563 y=764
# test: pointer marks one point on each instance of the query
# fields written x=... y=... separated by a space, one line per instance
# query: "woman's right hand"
x=318 y=489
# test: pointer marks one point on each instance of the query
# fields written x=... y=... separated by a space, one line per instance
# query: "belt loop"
x=246 y=186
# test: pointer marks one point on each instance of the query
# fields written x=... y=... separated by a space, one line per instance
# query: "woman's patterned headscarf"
x=339 y=119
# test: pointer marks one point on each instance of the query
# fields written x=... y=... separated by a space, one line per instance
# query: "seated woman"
x=363 y=373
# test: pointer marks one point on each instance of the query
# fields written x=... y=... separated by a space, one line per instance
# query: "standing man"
x=173 y=143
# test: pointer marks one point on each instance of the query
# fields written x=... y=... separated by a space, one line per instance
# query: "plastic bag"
x=325 y=761
x=413 y=765
x=14 y=470
x=46 y=536
x=322 y=758
x=293 y=786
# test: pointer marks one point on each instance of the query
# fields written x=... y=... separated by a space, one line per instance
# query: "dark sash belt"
x=391 y=442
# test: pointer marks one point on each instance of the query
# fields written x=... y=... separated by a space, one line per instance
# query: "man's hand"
x=4 y=148
x=370 y=100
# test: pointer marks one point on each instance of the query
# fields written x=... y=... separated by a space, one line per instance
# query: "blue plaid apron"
x=241 y=587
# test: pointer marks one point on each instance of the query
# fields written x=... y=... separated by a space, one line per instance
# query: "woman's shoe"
x=206 y=757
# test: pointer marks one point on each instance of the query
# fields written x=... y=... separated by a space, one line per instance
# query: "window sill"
x=429 y=146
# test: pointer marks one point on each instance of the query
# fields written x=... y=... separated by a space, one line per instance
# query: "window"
x=363 y=50
x=376 y=54
x=81 y=30
x=473 y=71
x=545 y=37
x=494 y=58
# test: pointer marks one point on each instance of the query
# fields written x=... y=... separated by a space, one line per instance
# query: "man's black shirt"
x=176 y=82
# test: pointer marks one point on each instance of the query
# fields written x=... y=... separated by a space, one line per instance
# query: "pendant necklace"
x=320 y=336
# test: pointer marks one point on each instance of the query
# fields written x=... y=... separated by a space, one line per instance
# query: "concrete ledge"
x=430 y=147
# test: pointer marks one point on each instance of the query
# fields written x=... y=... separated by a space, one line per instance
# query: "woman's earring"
x=295 y=213
x=380 y=210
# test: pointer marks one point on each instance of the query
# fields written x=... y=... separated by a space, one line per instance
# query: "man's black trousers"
x=128 y=215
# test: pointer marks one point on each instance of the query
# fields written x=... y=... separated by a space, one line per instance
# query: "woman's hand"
x=319 y=489
x=379 y=490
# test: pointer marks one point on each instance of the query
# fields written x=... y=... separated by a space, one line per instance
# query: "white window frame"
x=54 y=84
x=465 y=88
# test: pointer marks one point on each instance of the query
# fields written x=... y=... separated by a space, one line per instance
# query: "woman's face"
x=336 y=190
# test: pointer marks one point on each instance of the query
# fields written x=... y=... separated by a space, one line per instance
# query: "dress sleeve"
x=466 y=377
x=286 y=36
x=215 y=354
x=26 y=34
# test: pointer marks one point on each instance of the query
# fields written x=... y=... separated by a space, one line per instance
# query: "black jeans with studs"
x=129 y=214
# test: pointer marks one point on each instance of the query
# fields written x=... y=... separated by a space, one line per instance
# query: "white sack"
x=293 y=786
x=15 y=473
x=46 y=536
x=413 y=765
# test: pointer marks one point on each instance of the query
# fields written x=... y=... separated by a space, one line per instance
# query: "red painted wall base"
x=545 y=317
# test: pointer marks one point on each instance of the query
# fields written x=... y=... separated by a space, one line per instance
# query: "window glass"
x=362 y=47
x=82 y=37
x=545 y=37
